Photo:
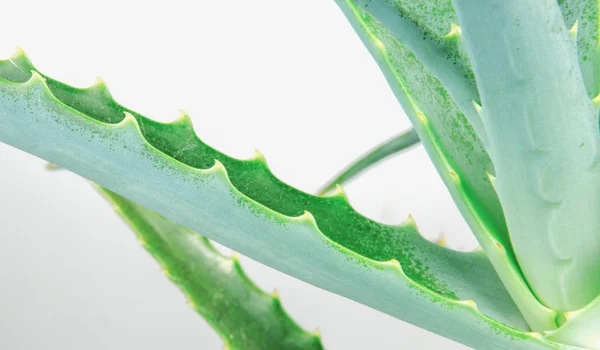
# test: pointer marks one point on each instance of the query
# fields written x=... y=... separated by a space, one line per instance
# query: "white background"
x=286 y=77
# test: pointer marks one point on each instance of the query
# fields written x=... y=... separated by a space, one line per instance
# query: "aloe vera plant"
x=244 y=316
x=503 y=95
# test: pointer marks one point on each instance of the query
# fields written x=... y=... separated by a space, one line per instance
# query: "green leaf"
x=580 y=327
x=240 y=204
x=543 y=140
x=456 y=151
x=586 y=13
x=392 y=146
x=420 y=26
x=217 y=288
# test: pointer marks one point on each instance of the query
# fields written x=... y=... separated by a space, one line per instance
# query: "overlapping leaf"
x=321 y=240
x=245 y=317
x=445 y=132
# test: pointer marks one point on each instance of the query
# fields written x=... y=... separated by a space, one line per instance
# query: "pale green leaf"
x=543 y=137
x=455 y=150
x=240 y=204
x=245 y=317
x=392 y=146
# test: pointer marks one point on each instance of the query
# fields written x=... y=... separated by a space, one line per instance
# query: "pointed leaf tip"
x=410 y=222
x=441 y=240
x=218 y=167
x=275 y=294
x=100 y=86
x=317 y=333
x=571 y=315
x=307 y=217
x=339 y=192
x=258 y=156
x=37 y=78
x=477 y=106
x=422 y=118
x=52 y=166
x=454 y=176
x=534 y=334
x=183 y=118
x=469 y=303
x=574 y=29
x=492 y=178
x=596 y=101
x=500 y=246
x=455 y=32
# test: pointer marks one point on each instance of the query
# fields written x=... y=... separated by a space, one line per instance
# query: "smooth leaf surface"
x=390 y=147
x=543 y=140
x=580 y=327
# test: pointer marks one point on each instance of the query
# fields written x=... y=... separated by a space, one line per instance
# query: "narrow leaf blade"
x=217 y=288
x=392 y=146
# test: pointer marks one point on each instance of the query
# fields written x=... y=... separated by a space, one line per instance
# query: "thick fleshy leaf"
x=427 y=29
x=543 y=137
x=424 y=28
x=452 y=145
x=240 y=204
x=217 y=288
x=392 y=146
x=585 y=14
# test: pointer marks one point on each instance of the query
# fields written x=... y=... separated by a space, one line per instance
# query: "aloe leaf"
x=392 y=146
x=423 y=26
x=419 y=26
x=580 y=327
x=455 y=150
x=320 y=240
x=217 y=288
x=585 y=14
x=543 y=140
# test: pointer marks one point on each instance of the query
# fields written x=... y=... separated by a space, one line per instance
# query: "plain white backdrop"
x=288 y=78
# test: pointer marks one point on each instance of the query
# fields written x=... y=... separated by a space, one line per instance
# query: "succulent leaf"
x=580 y=327
x=455 y=150
x=585 y=14
x=418 y=26
x=245 y=317
x=321 y=240
x=543 y=137
x=392 y=146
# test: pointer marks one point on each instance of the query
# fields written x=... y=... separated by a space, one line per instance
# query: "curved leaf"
x=544 y=145
x=392 y=146
x=585 y=14
x=320 y=240
x=580 y=327
x=455 y=150
x=420 y=26
x=245 y=317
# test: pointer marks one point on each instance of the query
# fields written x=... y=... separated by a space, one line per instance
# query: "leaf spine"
x=573 y=32
x=441 y=240
x=492 y=178
x=455 y=31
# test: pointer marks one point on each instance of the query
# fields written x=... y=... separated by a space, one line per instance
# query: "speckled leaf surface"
x=543 y=140
x=452 y=145
x=240 y=204
x=245 y=317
